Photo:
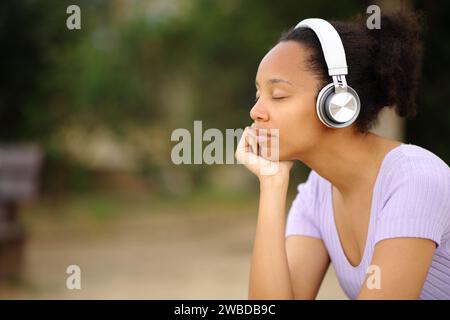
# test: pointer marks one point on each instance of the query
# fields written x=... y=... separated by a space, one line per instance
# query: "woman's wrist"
x=277 y=181
x=273 y=192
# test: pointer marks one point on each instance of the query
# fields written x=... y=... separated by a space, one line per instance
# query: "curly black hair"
x=384 y=64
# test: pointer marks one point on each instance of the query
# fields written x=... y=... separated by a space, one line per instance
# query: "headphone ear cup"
x=321 y=105
x=337 y=110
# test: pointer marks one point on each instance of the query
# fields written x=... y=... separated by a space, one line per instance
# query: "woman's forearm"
x=269 y=271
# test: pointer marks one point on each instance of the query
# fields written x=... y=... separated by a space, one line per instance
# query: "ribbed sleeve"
x=418 y=206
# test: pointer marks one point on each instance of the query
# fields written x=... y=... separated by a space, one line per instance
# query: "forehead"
x=286 y=60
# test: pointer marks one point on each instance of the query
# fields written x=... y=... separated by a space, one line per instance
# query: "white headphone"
x=337 y=104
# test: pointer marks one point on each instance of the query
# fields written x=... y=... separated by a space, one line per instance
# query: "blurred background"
x=86 y=118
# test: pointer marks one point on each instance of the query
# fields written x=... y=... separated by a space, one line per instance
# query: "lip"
x=264 y=134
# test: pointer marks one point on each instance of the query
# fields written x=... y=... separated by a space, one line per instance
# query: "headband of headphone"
x=331 y=43
x=337 y=104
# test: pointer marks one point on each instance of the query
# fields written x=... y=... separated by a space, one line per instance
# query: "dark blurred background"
x=86 y=118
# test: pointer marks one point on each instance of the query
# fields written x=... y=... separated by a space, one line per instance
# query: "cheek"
x=301 y=128
x=302 y=115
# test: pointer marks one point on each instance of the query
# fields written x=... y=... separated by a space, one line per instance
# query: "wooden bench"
x=20 y=166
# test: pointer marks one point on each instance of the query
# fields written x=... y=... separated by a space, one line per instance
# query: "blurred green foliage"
x=150 y=63
x=31 y=34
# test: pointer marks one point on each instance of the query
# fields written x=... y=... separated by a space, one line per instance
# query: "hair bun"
x=397 y=59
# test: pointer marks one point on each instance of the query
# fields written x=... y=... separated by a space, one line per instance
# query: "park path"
x=201 y=254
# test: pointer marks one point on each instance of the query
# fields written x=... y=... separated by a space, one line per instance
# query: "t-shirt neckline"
x=371 y=217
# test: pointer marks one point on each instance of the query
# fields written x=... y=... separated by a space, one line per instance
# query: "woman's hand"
x=265 y=165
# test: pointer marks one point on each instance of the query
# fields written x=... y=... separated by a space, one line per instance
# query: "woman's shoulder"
x=410 y=160
x=414 y=195
x=411 y=171
x=406 y=166
x=412 y=151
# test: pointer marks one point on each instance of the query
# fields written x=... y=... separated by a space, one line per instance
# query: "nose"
x=258 y=113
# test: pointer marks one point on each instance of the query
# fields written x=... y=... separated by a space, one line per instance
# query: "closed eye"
x=278 y=98
x=273 y=98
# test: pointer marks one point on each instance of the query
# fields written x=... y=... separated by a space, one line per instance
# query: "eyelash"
x=273 y=98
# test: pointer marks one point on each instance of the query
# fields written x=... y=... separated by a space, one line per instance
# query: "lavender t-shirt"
x=411 y=198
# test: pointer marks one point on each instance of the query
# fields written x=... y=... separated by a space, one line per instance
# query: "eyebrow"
x=275 y=80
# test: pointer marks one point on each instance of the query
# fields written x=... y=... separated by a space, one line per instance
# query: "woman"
x=377 y=209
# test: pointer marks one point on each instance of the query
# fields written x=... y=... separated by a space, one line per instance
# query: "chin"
x=285 y=156
x=289 y=155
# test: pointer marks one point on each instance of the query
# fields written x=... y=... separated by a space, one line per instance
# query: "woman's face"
x=286 y=96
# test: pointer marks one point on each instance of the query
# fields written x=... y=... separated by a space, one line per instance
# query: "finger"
x=243 y=146
x=253 y=141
